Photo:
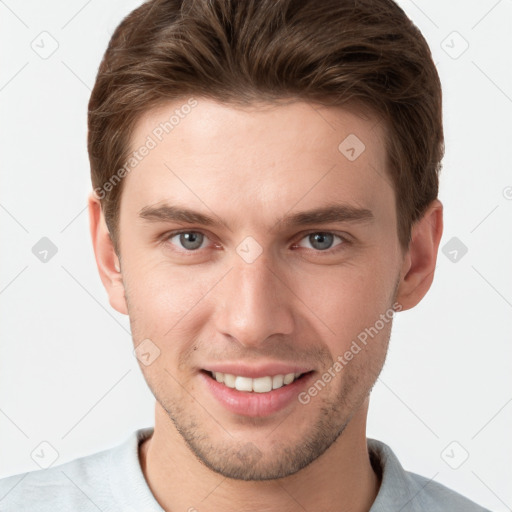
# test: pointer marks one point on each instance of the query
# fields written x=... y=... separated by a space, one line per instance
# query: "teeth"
x=243 y=384
x=262 y=384
x=289 y=378
x=277 y=381
x=229 y=380
x=258 y=385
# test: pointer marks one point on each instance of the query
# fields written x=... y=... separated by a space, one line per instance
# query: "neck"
x=341 y=479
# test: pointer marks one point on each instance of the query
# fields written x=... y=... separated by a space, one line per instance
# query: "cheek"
x=161 y=309
x=163 y=299
x=348 y=298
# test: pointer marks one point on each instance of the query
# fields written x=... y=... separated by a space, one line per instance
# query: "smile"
x=256 y=385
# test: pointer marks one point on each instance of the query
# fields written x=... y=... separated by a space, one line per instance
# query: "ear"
x=420 y=259
x=106 y=258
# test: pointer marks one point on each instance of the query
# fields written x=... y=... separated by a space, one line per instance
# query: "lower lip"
x=249 y=403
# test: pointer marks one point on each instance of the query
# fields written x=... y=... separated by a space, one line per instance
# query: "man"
x=265 y=183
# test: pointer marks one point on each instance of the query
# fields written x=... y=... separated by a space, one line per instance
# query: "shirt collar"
x=129 y=487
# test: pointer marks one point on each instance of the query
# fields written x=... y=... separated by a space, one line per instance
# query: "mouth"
x=259 y=396
x=263 y=384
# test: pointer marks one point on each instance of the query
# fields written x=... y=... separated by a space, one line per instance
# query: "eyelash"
x=344 y=241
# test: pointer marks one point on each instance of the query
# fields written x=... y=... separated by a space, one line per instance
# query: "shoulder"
x=409 y=492
x=70 y=486
x=110 y=480
x=434 y=496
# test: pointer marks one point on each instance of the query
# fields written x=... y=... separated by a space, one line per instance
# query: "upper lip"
x=255 y=371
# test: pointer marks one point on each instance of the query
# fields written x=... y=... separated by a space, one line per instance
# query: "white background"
x=67 y=372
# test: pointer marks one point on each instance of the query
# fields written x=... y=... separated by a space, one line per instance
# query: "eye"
x=188 y=240
x=322 y=241
x=193 y=241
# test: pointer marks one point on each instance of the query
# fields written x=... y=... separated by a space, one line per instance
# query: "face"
x=258 y=245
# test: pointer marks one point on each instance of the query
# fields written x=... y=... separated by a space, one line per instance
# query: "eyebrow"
x=325 y=214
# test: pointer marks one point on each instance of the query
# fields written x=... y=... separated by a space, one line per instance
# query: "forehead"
x=263 y=159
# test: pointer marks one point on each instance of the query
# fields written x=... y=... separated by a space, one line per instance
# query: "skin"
x=295 y=303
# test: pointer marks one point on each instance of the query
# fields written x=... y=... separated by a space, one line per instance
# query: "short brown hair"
x=334 y=52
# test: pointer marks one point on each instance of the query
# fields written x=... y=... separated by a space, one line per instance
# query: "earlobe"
x=107 y=260
x=419 y=262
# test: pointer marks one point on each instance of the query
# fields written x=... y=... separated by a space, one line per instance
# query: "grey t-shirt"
x=112 y=481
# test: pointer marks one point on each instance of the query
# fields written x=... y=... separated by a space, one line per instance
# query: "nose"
x=254 y=303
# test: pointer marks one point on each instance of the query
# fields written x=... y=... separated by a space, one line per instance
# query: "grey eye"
x=321 y=241
x=190 y=240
